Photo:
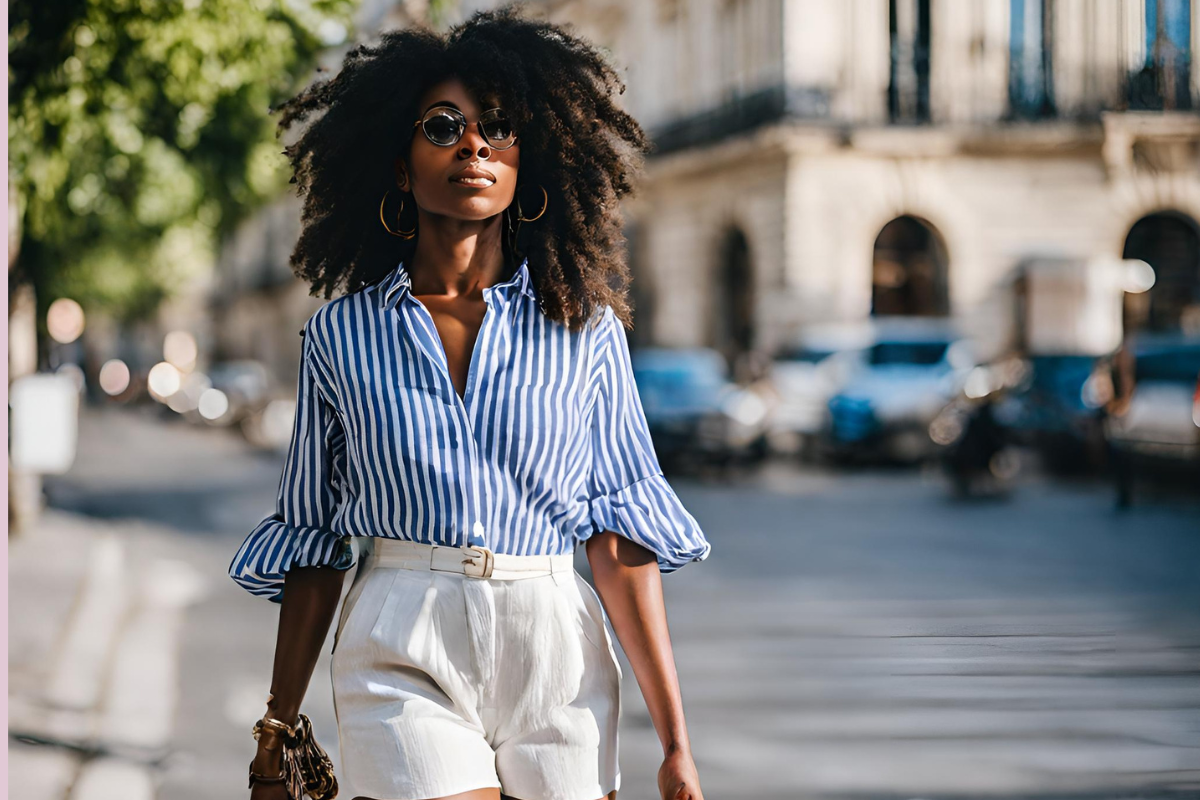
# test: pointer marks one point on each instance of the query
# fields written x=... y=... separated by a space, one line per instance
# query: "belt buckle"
x=487 y=566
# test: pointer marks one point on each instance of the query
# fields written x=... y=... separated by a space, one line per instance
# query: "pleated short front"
x=443 y=683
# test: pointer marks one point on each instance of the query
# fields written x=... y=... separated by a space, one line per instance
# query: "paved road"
x=850 y=636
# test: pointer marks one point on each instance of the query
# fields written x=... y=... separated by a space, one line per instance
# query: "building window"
x=674 y=59
x=1170 y=243
x=1030 y=79
x=910 y=270
x=734 y=299
x=748 y=45
x=908 y=76
x=1164 y=81
x=733 y=45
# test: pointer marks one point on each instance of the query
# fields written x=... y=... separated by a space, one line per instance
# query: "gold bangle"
x=275 y=726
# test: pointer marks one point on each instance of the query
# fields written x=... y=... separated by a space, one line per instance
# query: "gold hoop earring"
x=402 y=234
x=545 y=205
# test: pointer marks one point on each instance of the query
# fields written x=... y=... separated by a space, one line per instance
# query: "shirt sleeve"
x=629 y=494
x=298 y=533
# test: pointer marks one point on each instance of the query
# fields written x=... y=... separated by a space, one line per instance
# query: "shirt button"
x=478 y=528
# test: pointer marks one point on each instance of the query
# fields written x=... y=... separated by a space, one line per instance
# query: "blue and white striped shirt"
x=548 y=446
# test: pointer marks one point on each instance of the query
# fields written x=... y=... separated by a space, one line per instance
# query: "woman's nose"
x=472 y=142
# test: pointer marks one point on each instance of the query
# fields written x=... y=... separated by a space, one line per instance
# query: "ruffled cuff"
x=649 y=513
x=274 y=547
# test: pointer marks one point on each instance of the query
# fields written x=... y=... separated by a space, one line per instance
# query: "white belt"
x=474 y=562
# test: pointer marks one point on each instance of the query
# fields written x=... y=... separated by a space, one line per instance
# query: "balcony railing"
x=740 y=114
x=1153 y=88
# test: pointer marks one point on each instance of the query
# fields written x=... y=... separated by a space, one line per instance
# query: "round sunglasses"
x=444 y=126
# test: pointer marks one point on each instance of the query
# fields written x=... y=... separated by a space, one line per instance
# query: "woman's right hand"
x=268 y=791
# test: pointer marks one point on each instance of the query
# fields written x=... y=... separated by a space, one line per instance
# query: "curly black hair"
x=576 y=142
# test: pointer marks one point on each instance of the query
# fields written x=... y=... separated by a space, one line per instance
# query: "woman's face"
x=433 y=174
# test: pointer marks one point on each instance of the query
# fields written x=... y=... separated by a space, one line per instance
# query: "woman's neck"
x=456 y=258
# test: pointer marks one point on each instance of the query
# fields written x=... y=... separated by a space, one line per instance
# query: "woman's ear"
x=401 y=174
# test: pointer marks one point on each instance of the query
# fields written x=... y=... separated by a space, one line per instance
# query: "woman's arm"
x=310 y=598
x=629 y=584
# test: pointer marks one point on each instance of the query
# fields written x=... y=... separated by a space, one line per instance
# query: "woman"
x=467 y=413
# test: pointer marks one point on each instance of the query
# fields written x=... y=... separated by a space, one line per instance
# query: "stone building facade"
x=826 y=160
x=830 y=159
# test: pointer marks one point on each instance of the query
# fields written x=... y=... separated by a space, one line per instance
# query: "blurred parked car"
x=912 y=368
x=694 y=410
x=1156 y=424
x=805 y=375
x=1059 y=410
x=234 y=391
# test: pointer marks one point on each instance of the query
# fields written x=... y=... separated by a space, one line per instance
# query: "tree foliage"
x=140 y=133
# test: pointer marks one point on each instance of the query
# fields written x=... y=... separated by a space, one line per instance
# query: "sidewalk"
x=95 y=611
x=137 y=667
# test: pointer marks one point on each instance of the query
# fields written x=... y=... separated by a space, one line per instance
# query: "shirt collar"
x=398 y=281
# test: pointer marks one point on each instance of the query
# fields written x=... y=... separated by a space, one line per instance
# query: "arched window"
x=733 y=296
x=1169 y=242
x=909 y=273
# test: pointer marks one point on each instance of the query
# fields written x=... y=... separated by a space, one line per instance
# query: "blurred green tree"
x=139 y=134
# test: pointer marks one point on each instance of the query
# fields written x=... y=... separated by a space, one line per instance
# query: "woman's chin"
x=473 y=210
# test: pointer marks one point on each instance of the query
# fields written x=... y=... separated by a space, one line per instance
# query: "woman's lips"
x=479 y=182
x=474 y=176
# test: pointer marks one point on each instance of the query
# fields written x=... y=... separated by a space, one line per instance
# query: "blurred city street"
x=851 y=635
x=910 y=293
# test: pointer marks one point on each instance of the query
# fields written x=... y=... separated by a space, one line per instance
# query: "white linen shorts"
x=444 y=682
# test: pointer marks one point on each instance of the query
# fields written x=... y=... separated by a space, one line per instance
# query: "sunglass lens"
x=442 y=129
x=497 y=128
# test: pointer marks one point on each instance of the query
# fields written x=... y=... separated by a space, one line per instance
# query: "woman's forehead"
x=452 y=91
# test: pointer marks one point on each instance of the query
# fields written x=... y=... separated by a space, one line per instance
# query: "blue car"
x=692 y=407
x=903 y=379
x=1058 y=411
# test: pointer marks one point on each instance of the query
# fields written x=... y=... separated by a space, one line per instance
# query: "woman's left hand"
x=677 y=778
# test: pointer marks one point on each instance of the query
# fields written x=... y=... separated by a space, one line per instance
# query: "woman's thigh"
x=491 y=794
x=477 y=794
